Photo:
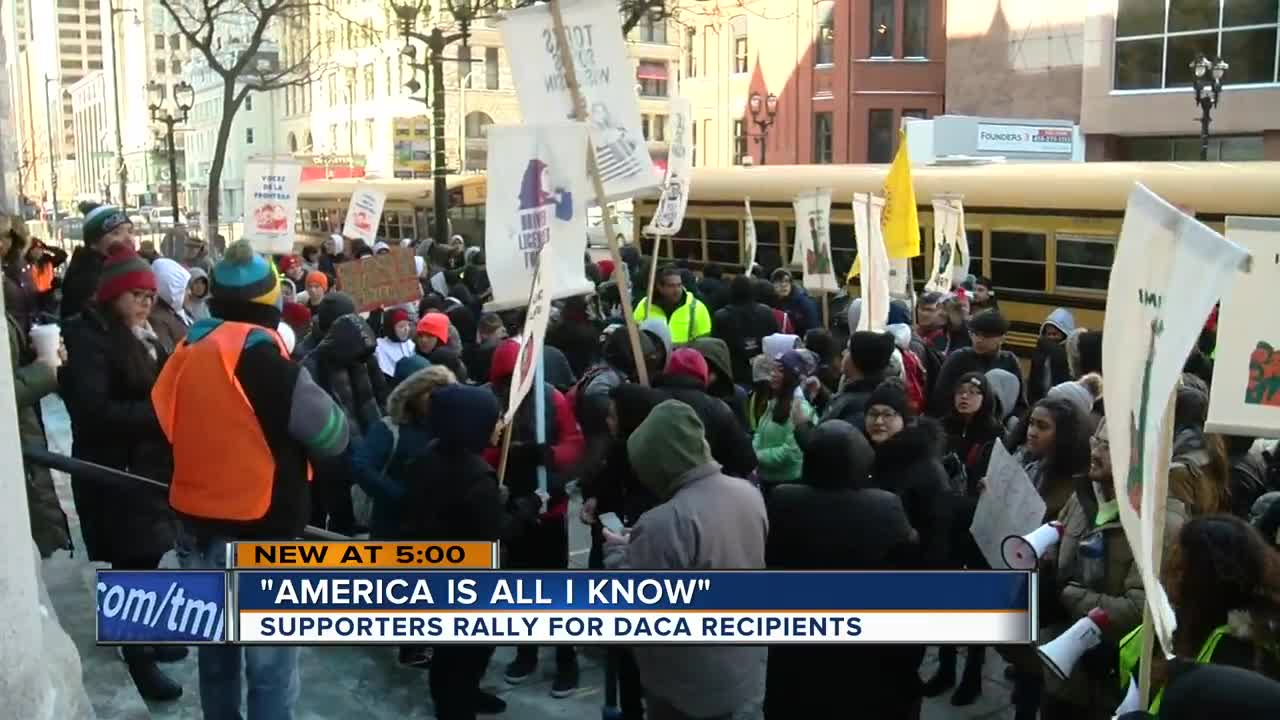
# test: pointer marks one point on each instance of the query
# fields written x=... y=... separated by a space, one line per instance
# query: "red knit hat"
x=296 y=314
x=124 y=271
x=690 y=363
x=606 y=269
x=290 y=262
x=399 y=315
x=503 y=364
x=436 y=325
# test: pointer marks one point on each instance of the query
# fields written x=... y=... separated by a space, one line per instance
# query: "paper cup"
x=46 y=339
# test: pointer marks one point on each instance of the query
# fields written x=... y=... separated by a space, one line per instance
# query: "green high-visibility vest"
x=1131 y=651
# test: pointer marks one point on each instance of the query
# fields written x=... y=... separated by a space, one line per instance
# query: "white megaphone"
x=1023 y=552
x=1061 y=654
x=1132 y=700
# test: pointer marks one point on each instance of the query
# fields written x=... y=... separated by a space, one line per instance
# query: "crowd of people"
x=767 y=437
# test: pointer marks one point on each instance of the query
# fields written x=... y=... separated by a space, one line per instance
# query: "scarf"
x=147 y=336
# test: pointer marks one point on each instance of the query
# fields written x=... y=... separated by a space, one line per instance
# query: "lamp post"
x=53 y=167
x=464 y=12
x=115 y=95
x=763 y=112
x=183 y=99
x=1207 y=90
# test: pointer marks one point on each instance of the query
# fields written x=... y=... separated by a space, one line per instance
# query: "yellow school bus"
x=1045 y=234
x=408 y=213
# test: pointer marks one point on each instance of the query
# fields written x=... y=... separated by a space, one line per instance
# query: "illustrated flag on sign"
x=606 y=80
x=1169 y=271
x=675 y=192
x=1246 y=369
x=813 y=237
x=749 y=233
x=950 y=248
x=901 y=224
x=271 y=205
x=537 y=193
x=874 y=284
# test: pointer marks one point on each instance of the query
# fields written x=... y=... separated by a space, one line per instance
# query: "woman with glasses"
x=114 y=357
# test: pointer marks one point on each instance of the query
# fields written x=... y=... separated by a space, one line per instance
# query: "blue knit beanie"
x=101 y=220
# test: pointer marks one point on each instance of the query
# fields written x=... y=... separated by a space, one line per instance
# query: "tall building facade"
x=91 y=128
x=844 y=74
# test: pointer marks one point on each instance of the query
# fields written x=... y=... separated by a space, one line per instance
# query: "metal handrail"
x=112 y=476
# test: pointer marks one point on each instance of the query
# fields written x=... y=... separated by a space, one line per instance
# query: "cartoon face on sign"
x=1264 y=376
x=534 y=191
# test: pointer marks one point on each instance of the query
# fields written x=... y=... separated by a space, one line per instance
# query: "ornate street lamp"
x=763 y=112
x=183 y=100
x=1207 y=89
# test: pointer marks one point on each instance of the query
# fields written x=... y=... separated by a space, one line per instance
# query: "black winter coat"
x=1048 y=368
x=113 y=423
x=743 y=327
x=909 y=464
x=730 y=445
x=965 y=361
x=80 y=281
x=850 y=404
x=342 y=363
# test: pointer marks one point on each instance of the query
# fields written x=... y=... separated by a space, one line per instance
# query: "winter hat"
x=1191 y=403
x=244 y=276
x=1075 y=393
x=463 y=417
x=124 y=271
x=436 y=325
x=315 y=277
x=1062 y=319
x=1005 y=386
x=689 y=363
x=853 y=314
x=333 y=306
x=870 y=351
x=396 y=316
x=100 y=221
x=761 y=368
x=503 y=363
x=989 y=323
x=171 y=281
x=289 y=262
x=778 y=343
x=891 y=394
x=409 y=365
x=606 y=268
x=976 y=379
x=669 y=443
x=296 y=314
x=798 y=363
x=660 y=331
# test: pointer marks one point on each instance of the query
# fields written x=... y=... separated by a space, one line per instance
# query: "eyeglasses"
x=881 y=415
x=143 y=296
x=968 y=391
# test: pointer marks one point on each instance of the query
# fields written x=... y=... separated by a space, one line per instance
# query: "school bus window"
x=1084 y=262
x=973 y=236
x=646 y=247
x=722 y=242
x=687 y=243
x=918 y=263
x=844 y=247
x=768 y=251
x=1017 y=259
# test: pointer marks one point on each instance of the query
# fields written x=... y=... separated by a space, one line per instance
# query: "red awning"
x=651 y=71
x=319 y=172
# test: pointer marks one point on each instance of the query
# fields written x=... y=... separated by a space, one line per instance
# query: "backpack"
x=361 y=502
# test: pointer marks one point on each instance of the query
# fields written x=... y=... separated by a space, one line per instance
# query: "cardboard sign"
x=380 y=280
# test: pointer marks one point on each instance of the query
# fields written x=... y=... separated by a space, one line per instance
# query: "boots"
x=169 y=653
x=971 y=681
x=945 y=676
x=151 y=682
x=1027 y=689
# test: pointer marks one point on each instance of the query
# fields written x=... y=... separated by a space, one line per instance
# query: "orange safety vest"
x=223 y=468
x=42 y=276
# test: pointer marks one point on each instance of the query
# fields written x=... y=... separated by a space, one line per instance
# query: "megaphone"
x=1062 y=654
x=1023 y=552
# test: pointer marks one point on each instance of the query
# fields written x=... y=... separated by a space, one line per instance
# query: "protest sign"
x=873 y=263
x=1009 y=505
x=1169 y=270
x=950 y=248
x=364 y=213
x=1246 y=369
x=605 y=77
x=535 y=330
x=675 y=191
x=749 y=238
x=813 y=238
x=537 y=194
x=380 y=281
x=271 y=205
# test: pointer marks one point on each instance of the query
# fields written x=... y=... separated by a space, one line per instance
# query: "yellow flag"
x=900 y=224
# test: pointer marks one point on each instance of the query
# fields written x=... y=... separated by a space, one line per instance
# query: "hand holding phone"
x=613 y=523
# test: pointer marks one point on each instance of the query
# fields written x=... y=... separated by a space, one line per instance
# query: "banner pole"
x=580 y=114
x=506 y=450
x=653 y=264
x=539 y=416
x=1157 y=552
x=826 y=310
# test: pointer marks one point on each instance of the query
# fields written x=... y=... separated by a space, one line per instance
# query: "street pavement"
x=367 y=682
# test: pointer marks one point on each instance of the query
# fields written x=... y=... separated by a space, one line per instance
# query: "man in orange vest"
x=243 y=419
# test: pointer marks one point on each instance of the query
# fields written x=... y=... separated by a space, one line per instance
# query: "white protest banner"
x=1009 y=505
x=873 y=262
x=1246 y=369
x=749 y=238
x=900 y=279
x=675 y=192
x=537 y=193
x=1169 y=270
x=271 y=205
x=813 y=237
x=605 y=77
x=950 y=249
x=364 y=213
x=535 y=326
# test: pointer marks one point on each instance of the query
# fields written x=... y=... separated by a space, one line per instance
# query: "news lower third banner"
x=363 y=607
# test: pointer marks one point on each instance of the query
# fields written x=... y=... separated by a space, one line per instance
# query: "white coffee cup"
x=47 y=339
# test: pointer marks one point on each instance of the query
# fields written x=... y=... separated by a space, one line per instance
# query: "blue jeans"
x=271 y=671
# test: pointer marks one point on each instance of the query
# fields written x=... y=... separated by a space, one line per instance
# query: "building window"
x=175 y=41
x=880 y=136
x=333 y=89
x=882 y=28
x=160 y=66
x=248 y=136
x=652 y=78
x=660 y=128
x=824 y=28
x=1154 y=46
x=248 y=102
x=390 y=78
x=739 y=27
x=918 y=113
x=293 y=143
x=822 y=133
x=690 y=62
x=739 y=142
x=915 y=28
x=370 y=85
x=1160 y=149
x=175 y=67
x=645 y=128
x=477 y=125
x=159 y=41
x=649 y=30
x=464 y=65
x=491 y=69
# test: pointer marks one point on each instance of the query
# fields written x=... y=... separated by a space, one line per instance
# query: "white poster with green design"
x=1169 y=271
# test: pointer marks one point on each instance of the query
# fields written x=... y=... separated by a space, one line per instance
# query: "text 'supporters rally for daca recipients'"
x=378 y=592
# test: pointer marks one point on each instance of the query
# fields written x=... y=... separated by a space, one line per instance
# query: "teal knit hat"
x=244 y=288
x=101 y=220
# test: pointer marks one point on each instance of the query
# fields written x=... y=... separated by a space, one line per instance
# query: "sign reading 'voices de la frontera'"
x=1057 y=140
